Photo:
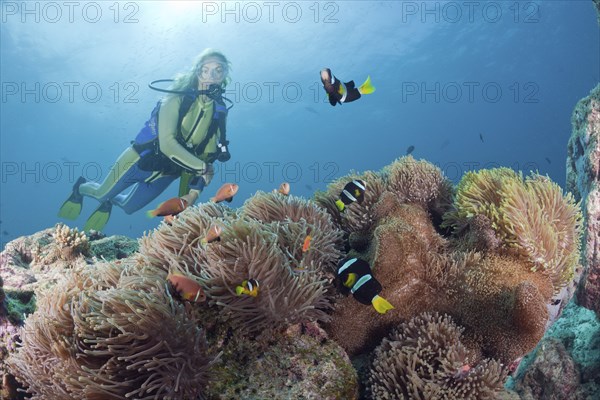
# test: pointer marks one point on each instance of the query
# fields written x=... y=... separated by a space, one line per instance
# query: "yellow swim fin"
x=381 y=305
x=367 y=87
x=99 y=218
x=71 y=208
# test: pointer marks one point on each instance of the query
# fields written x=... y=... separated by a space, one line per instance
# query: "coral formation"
x=111 y=332
x=419 y=182
x=300 y=363
x=70 y=242
x=425 y=359
x=566 y=362
x=261 y=241
x=531 y=217
x=495 y=274
x=583 y=179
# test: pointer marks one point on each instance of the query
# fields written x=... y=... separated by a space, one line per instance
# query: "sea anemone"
x=531 y=218
x=111 y=333
x=425 y=359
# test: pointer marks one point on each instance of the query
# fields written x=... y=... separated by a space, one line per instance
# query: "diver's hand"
x=191 y=197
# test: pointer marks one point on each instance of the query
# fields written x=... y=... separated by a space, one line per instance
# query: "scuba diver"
x=184 y=136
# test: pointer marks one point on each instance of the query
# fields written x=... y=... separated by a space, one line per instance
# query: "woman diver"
x=183 y=137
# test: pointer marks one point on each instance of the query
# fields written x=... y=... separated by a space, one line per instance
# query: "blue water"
x=469 y=84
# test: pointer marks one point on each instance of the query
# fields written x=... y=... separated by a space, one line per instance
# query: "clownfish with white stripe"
x=355 y=276
x=248 y=287
x=340 y=92
x=353 y=191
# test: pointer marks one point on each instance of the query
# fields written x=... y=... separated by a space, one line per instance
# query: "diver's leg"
x=122 y=174
x=143 y=193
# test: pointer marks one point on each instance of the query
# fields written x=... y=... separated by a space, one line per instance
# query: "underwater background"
x=470 y=85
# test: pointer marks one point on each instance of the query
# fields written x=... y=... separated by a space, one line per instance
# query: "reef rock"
x=552 y=376
x=583 y=180
x=298 y=363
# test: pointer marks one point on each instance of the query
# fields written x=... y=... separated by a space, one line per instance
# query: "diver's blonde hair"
x=189 y=80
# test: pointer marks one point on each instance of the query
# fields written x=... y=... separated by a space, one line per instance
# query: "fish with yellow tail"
x=355 y=276
x=353 y=191
x=213 y=234
x=185 y=288
x=340 y=92
x=225 y=193
x=248 y=287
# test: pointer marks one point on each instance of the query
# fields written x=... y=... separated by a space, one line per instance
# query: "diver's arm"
x=167 y=137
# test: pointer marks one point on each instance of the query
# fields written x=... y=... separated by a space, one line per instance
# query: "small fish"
x=355 y=277
x=213 y=234
x=311 y=110
x=284 y=189
x=410 y=149
x=339 y=92
x=548 y=160
x=249 y=287
x=353 y=191
x=5 y=233
x=462 y=372
x=514 y=366
x=481 y=137
x=306 y=244
x=225 y=193
x=185 y=288
x=170 y=207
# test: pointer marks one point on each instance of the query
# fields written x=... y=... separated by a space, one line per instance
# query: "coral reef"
x=70 y=243
x=262 y=241
x=113 y=248
x=300 y=363
x=532 y=218
x=425 y=359
x=492 y=275
x=573 y=342
x=111 y=332
x=583 y=179
x=94 y=337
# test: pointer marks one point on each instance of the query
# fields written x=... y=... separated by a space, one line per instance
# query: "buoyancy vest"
x=146 y=142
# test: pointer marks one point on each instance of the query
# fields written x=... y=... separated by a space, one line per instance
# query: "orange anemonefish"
x=284 y=189
x=306 y=244
x=185 y=288
x=214 y=233
x=356 y=277
x=173 y=206
x=462 y=372
x=248 y=287
x=353 y=191
x=170 y=207
x=339 y=92
x=225 y=193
